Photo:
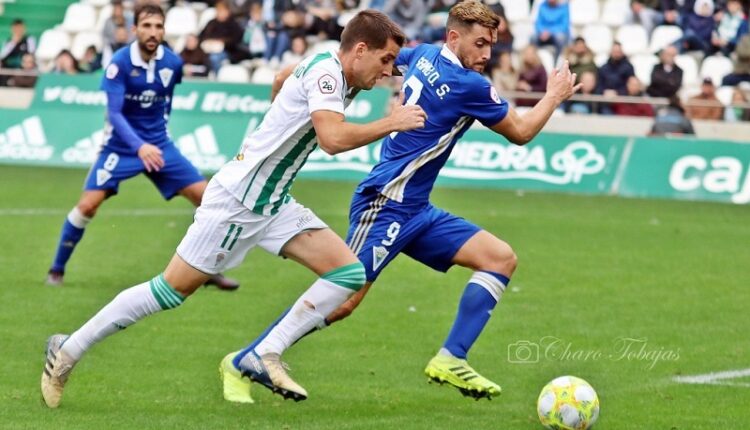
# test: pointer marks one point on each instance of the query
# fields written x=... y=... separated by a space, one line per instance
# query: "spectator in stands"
x=410 y=15
x=504 y=37
x=296 y=53
x=195 y=59
x=724 y=38
x=705 y=105
x=121 y=39
x=648 y=13
x=66 y=63
x=221 y=38
x=254 y=38
x=504 y=44
x=741 y=72
x=588 y=81
x=532 y=77
x=671 y=119
x=28 y=64
x=737 y=113
x=635 y=89
x=580 y=58
x=614 y=74
x=504 y=75
x=91 y=61
x=120 y=19
x=698 y=26
x=280 y=19
x=19 y=44
x=321 y=18
x=552 y=26
x=666 y=77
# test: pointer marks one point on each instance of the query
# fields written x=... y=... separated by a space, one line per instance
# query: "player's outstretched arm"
x=520 y=129
x=335 y=135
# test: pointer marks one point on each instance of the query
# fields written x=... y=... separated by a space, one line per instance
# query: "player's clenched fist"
x=407 y=117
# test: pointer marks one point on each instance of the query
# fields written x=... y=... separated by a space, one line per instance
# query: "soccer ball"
x=568 y=403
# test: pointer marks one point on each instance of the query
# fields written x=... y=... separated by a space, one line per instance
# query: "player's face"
x=150 y=32
x=374 y=64
x=474 y=46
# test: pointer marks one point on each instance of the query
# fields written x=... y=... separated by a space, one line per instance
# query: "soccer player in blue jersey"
x=391 y=212
x=139 y=84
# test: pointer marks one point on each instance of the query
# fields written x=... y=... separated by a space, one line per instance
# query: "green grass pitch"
x=594 y=272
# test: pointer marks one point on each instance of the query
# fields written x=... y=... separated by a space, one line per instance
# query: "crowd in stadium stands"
x=275 y=33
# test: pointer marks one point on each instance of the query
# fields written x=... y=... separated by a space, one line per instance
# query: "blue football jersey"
x=146 y=89
x=453 y=97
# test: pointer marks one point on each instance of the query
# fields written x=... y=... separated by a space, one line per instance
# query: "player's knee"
x=88 y=208
x=503 y=260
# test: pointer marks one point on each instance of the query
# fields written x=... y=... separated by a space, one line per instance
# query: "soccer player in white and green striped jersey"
x=247 y=204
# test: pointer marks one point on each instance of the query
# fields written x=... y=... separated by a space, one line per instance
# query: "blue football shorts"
x=111 y=168
x=380 y=229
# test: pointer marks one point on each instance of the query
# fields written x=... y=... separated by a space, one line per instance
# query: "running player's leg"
x=493 y=263
x=179 y=176
x=102 y=182
x=219 y=238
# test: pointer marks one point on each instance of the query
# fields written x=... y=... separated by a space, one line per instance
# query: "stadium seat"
x=583 y=12
x=615 y=12
x=233 y=73
x=664 y=35
x=83 y=40
x=50 y=44
x=689 y=69
x=600 y=59
x=97 y=3
x=724 y=94
x=548 y=59
x=716 y=67
x=633 y=38
x=263 y=75
x=207 y=15
x=598 y=37
x=79 y=17
x=516 y=10
x=180 y=21
x=522 y=33
x=643 y=65
x=104 y=15
x=323 y=46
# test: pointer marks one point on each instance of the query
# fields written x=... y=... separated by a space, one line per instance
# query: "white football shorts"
x=224 y=230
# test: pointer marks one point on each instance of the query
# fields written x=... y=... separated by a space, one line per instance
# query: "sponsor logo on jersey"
x=201 y=148
x=166 y=76
x=379 y=254
x=327 y=84
x=112 y=71
x=493 y=94
x=25 y=141
x=135 y=73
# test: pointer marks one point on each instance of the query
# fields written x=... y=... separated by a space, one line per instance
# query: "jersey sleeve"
x=483 y=103
x=324 y=86
x=114 y=78
x=403 y=59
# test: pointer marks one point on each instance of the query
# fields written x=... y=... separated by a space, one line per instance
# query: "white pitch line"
x=716 y=378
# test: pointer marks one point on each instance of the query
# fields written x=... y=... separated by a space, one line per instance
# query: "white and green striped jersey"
x=272 y=155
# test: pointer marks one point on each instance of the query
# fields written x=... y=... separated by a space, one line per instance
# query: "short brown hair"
x=373 y=28
x=470 y=12
x=147 y=9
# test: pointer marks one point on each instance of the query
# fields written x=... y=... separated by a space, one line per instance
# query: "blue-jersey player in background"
x=391 y=212
x=139 y=83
